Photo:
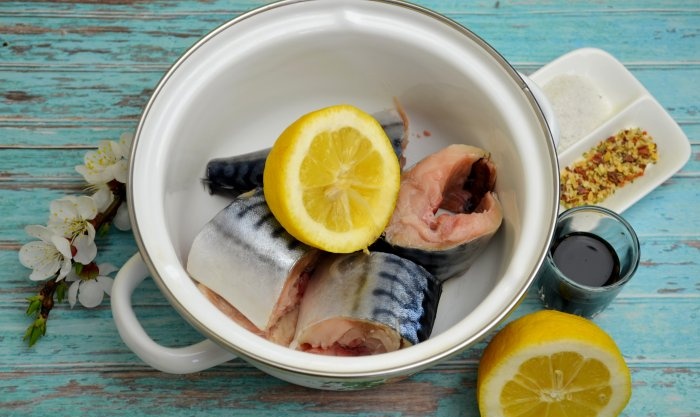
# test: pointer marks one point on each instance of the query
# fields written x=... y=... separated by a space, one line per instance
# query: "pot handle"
x=182 y=360
x=545 y=106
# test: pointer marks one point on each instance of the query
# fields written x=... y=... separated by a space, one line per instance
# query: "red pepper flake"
x=612 y=163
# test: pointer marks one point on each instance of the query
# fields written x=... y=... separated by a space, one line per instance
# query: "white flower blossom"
x=102 y=196
x=125 y=140
x=70 y=217
x=85 y=249
x=46 y=257
x=121 y=220
x=109 y=162
x=90 y=292
x=66 y=246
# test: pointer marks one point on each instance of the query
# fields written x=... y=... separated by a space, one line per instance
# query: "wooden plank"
x=668 y=34
x=657 y=40
x=71 y=97
x=29 y=166
x=148 y=9
x=167 y=7
x=58 y=135
x=437 y=392
x=24 y=207
x=46 y=109
x=133 y=8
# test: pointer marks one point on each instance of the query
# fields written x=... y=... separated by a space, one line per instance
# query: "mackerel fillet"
x=251 y=268
x=363 y=304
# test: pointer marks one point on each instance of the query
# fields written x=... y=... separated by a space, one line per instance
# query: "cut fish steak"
x=363 y=304
x=250 y=265
x=446 y=212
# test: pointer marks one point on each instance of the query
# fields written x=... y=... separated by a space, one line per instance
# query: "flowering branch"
x=41 y=306
x=104 y=219
x=66 y=250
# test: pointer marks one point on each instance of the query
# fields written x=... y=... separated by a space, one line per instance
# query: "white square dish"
x=627 y=104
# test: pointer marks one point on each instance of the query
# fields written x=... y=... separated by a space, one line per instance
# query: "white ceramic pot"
x=241 y=85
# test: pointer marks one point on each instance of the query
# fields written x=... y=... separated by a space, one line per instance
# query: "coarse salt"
x=578 y=105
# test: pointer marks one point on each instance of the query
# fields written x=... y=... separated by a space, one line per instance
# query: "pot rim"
x=258 y=358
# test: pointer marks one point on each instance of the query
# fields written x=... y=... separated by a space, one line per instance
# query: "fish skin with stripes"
x=250 y=268
x=248 y=264
x=363 y=304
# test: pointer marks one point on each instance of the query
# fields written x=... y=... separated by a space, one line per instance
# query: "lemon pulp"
x=332 y=179
x=552 y=364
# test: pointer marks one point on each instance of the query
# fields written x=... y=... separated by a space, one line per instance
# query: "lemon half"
x=332 y=179
x=552 y=364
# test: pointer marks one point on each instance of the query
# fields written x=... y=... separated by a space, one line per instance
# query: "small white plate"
x=672 y=146
x=626 y=104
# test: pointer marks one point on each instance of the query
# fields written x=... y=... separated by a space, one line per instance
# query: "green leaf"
x=33 y=308
x=103 y=230
x=61 y=291
x=35 y=331
x=28 y=332
x=34 y=304
x=78 y=267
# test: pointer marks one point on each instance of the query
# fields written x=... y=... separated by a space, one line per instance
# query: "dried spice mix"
x=608 y=166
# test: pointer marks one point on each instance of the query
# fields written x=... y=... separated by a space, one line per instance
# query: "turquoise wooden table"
x=75 y=72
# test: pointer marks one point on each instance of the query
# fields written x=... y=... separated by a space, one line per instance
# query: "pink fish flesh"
x=446 y=211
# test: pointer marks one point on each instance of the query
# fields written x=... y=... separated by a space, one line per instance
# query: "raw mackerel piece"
x=446 y=211
x=363 y=304
x=252 y=268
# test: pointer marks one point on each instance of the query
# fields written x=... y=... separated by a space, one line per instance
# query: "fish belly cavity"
x=446 y=213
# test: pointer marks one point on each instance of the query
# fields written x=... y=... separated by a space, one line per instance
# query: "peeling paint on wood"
x=693 y=243
x=12 y=96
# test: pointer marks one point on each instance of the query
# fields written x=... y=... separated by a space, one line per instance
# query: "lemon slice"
x=332 y=179
x=552 y=364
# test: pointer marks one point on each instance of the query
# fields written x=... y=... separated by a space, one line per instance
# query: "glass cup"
x=593 y=254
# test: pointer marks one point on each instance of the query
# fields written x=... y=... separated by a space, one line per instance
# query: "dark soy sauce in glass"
x=586 y=259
